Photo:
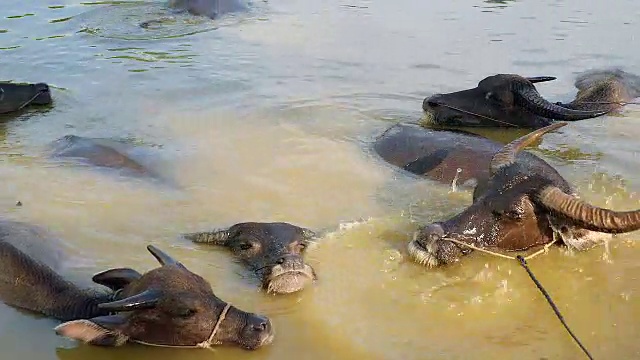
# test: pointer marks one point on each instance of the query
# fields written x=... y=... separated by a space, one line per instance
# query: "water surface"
x=268 y=116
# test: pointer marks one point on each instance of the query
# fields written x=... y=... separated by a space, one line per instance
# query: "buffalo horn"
x=145 y=300
x=589 y=216
x=538 y=79
x=528 y=97
x=507 y=155
x=162 y=257
x=215 y=237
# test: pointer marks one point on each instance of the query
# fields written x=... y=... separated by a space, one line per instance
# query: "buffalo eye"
x=514 y=214
x=245 y=246
x=185 y=313
x=492 y=96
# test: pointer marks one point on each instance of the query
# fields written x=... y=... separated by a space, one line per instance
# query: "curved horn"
x=216 y=237
x=162 y=257
x=589 y=216
x=145 y=300
x=537 y=79
x=507 y=155
x=529 y=98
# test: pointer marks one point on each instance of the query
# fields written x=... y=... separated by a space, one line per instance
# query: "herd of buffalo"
x=519 y=202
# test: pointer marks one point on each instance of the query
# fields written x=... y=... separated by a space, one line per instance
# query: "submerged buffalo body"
x=168 y=305
x=104 y=153
x=14 y=97
x=520 y=207
x=443 y=155
x=512 y=100
x=209 y=8
x=274 y=251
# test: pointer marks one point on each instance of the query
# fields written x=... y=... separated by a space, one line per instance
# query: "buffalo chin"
x=264 y=340
x=289 y=281
x=435 y=253
x=422 y=255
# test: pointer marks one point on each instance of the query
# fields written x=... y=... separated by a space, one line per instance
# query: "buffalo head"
x=521 y=207
x=167 y=306
x=501 y=100
x=14 y=97
x=274 y=251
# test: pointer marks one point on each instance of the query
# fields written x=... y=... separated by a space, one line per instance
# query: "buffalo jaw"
x=288 y=277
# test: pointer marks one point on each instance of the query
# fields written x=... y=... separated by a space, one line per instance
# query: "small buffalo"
x=274 y=251
x=167 y=306
x=520 y=207
x=105 y=153
x=443 y=155
x=14 y=96
x=510 y=100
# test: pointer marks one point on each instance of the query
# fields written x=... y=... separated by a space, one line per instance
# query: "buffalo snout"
x=42 y=94
x=431 y=247
x=431 y=102
x=258 y=331
x=289 y=274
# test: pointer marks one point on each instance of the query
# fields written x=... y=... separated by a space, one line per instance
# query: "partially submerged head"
x=501 y=100
x=520 y=208
x=167 y=306
x=14 y=96
x=274 y=251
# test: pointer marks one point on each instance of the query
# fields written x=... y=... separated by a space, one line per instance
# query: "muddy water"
x=267 y=116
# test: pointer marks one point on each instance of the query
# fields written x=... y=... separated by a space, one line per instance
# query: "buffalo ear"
x=100 y=331
x=215 y=237
x=116 y=279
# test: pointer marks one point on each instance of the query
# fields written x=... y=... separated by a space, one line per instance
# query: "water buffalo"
x=99 y=152
x=443 y=155
x=521 y=207
x=274 y=251
x=14 y=97
x=168 y=306
x=513 y=100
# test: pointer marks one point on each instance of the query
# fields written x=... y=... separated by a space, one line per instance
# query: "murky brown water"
x=268 y=116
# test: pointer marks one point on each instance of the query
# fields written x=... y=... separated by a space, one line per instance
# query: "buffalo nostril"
x=262 y=326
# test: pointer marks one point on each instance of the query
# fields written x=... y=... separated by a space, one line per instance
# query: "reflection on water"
x=269 y=116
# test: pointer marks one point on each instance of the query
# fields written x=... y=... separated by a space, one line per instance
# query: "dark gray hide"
x=103 y=153
x=14 y=97
x=438 y=154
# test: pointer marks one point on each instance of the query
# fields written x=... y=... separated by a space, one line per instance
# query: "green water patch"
x=60 y=20
x=20 y=16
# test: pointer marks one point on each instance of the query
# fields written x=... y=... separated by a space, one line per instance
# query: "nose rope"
x=31 y=100
x=477 y=115
x=523 y=262
x=203 y=345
